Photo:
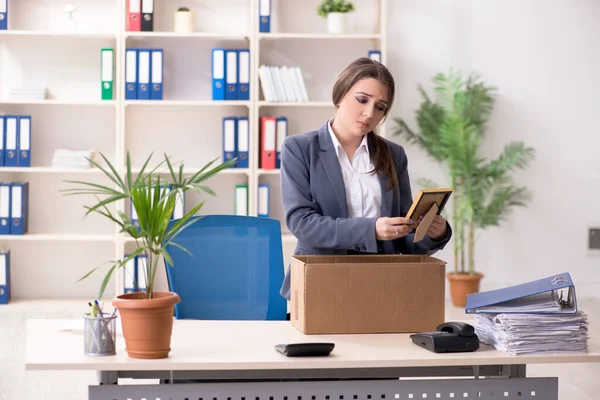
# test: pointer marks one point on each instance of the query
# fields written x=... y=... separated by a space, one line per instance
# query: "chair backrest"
x=234 y=271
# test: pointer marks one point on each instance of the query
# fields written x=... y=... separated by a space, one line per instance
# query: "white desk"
x=244 y=350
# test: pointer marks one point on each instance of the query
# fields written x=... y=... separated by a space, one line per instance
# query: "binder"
x=10 y=146
x=2 y=138
x=282 y=131
x=263 y=200
x=19 y=201
x=5 y=277
x=231 y=75
x=131 y=74
x=241 y=199
x=134 y=15
x=107 y=73
x=147 y=16
x=3 y=15
x=133 y=215
x=244 y=74
x=243 y=142
x=229 y=139
x=179 y=210
x=129 y=278
x=375 y=55
x=551 y=295
x=157 y=74
x=267 y=145
x=144 y=74
x=218 y=74
x=24 y=145
x=5 y=208
x=264 y=15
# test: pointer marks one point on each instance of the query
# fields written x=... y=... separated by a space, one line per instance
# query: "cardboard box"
x=367 y=294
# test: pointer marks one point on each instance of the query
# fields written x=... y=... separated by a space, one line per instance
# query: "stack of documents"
x=283 y=84
x=64 y=158
x=29 y=94
x=534 y=317
x=517 y=334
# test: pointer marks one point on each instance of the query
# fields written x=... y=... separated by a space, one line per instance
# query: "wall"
x=543 y=57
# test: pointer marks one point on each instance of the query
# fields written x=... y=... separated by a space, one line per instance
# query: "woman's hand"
x=437 y=229
x=387 y=228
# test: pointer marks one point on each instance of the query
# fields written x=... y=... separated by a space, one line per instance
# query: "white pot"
x=336 y=22
x=184 y=22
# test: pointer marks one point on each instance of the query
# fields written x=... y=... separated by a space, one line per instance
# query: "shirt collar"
x=336 y=143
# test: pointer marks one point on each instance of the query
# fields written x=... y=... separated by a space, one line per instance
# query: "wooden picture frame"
x=429 y=203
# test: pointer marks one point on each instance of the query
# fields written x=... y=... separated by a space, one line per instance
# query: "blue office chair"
x=235 y=270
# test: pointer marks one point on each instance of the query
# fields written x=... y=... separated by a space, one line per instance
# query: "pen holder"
x=100 y=335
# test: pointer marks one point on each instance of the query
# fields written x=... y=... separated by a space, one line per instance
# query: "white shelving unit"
x=43 y=49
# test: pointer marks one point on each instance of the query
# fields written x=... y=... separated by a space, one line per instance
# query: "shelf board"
x=100 y=103
x=346 y=36
x=189 y=103
x=201 y=35
x=59 y=237
x=62 y=34
x=50 y=170
x=269 y=171
x=295 y=104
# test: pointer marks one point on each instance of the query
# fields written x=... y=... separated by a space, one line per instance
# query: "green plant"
x=330 y=6
x=154 y=199
x=452 y=128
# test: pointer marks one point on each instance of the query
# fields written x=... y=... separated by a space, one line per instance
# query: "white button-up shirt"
x=363 y=191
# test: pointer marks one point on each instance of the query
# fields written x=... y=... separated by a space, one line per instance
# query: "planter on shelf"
x=336 y=22
x=184 y=21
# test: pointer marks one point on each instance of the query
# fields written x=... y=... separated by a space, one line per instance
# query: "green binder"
x=107 y=73
x=241 y=200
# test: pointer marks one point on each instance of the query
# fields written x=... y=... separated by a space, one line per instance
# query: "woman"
x=344 y=188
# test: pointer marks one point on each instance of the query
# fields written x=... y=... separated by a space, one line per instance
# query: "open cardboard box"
x=367 y=294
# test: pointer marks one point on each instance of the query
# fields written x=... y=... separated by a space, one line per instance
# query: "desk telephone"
x=449 y=337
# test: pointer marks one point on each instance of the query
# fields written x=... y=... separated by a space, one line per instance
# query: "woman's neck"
x=348 y=142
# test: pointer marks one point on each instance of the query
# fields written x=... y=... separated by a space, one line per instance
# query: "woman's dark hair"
x=381 y=154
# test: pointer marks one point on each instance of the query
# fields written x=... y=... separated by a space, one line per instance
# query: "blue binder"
x=5 y=207
x=218 y=74
x=244 y=74
x=156 y=57
x=229 y=139
x=282 y=132
x=24 y=144
x=11 y=138
x=19 y=208
x=3 y=15
x=144 y=73
x=527 y=298
x=2 y=138
x=242 y=142
x=131 y=74
x=264 y=15
x=5 y=277
x=231 y=75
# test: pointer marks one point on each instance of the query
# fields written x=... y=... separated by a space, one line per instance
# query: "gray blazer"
x=314 y=200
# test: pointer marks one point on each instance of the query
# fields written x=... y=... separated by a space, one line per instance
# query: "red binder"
x=134 y=15
x=268 y=133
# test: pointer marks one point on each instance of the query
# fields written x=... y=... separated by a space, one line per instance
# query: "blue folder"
x=527 y=298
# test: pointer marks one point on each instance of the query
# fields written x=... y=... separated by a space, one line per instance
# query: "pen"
x=98 y=308
x=93 y=313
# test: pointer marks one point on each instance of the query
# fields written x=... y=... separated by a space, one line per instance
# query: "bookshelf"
x=43 y=49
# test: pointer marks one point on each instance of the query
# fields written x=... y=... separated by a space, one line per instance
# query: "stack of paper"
x=29 y=94
x=64 y=158
x=516 y=334
x=282 y=84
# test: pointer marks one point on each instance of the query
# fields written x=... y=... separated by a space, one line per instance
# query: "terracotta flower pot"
x=461 y=285
x=147 y=324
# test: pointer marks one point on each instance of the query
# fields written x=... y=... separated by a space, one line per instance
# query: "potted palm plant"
x=147 y=315
x=335 y=12
x=451 y=131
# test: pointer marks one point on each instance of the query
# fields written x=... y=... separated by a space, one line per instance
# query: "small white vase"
x=336 y=22
x=184 y=22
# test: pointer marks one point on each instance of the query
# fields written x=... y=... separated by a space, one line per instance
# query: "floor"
x=576 y=381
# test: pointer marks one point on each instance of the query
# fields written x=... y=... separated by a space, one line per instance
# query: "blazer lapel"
x=386 y=196
x=330 y=161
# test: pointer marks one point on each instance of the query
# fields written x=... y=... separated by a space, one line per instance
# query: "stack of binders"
x=143 y=74
x=134 y=274
x=273 y=131
x=230 y=74
x=236 y=138
x=282 y=84
x=15 y=141
x=14 y=208
x=531 y=318
x=140 y=15
x=4 y=277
